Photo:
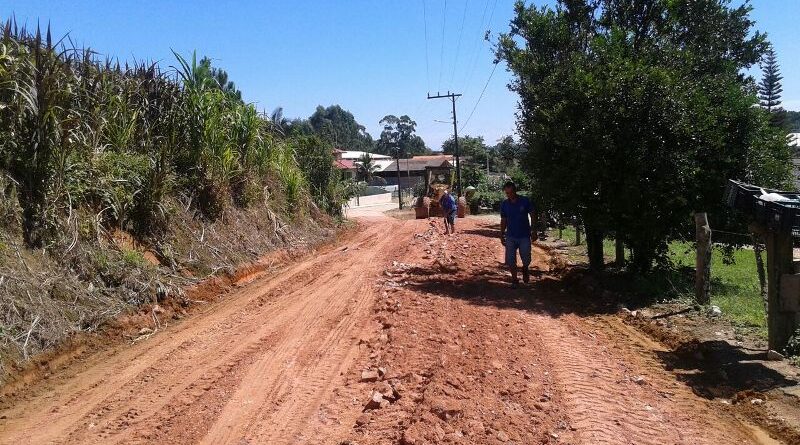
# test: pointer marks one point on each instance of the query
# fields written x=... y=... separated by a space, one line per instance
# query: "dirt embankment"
x=63 y=303
x=398 y=335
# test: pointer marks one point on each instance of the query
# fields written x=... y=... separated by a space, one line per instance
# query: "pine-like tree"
x=770 y=89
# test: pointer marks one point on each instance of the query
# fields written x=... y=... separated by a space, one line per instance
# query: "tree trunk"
x=594 y=247
x=702 y=278
x=620 y=252
x=758 y=250
x=577 y=234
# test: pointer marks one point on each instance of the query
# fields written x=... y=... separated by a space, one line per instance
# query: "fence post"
x=781 y=321
x=702 y=277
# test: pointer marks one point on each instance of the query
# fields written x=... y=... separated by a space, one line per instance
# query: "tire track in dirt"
x=278 y=344
x=613 y=397
x=593 y=380
x=119 y=393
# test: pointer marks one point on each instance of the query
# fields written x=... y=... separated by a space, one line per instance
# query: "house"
x=347 y=167
x=794 y=142
x=356 y=155
x=412 y=170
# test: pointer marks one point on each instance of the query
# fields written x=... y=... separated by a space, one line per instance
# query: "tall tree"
x=468 y=146
x=339 y=127
x=641 y=105
x=399 y=134
x=509 y=153
x=770 y=89
x=219 y=77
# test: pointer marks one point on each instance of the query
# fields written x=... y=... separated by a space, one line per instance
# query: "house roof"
x=344 y=164
x=355 y=155
x=419 y=163
x=448 y=158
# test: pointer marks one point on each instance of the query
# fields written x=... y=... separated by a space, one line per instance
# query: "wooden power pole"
x=452 y=97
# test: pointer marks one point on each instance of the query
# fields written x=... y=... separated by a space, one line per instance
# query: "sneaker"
x=526 y=276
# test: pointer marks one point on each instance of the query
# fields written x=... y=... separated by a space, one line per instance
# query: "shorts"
x=524 y=247
x=451 y=217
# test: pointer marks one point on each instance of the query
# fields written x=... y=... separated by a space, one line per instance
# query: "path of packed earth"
x=398 y=335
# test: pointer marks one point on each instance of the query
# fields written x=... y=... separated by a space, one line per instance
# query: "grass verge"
x=734 y=284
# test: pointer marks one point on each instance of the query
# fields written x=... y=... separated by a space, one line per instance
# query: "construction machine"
x=437 y=181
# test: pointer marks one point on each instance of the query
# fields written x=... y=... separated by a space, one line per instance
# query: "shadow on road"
x=712 y=368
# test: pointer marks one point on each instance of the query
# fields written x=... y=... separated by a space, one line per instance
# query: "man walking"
x=516 y=231
x=450 y=210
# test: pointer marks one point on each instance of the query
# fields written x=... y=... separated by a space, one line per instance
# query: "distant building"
x=412 y=170
x=356 y=155
x=794 y=142
x=348 y=168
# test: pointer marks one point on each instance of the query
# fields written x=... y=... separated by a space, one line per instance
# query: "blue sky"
x=369 y=56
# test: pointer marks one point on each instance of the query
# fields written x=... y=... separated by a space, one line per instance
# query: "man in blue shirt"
x=450 y=210
x=516 y=230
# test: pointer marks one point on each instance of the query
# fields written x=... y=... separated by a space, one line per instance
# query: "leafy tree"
x=793 y=121
x=339 y=127
x=366 y=167
x=468 y=146
x=398 y=133
x=509 y=153
x=316 y=161
x=220 y=79
x=635 y=114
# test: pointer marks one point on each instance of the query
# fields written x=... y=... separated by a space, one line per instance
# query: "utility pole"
x=399 y=190
x=452 y=97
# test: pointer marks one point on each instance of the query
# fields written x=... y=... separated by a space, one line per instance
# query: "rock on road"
x=405 y=336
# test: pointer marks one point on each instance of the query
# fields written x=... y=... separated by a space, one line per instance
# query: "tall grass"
x=118 y=141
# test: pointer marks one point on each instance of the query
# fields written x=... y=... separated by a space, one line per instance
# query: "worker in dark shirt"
x=517 y=231
x=450 y=210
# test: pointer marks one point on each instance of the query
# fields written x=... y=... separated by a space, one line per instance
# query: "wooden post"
x=781 y=323
x=702 y=277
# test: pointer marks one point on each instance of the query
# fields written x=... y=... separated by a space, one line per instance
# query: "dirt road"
x=458 y=356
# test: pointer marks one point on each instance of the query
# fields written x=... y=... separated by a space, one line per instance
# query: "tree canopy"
x=339 y=127
x=399 y=133
x=635 y=114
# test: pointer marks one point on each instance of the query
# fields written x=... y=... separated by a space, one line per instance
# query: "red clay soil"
x=401 y=335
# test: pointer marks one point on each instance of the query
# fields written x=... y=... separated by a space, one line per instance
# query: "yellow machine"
x=437 y=180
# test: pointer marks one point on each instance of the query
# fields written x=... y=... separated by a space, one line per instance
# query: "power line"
x=441 y=53
x=475 y=58
x=427 y=64
x=479 y=97
x=458 y=46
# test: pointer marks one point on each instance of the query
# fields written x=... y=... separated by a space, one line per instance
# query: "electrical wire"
x=441 y=53
x=475 y=59
x=473 y=62
x=427 y=63
x=458 y=46
x=479 y=98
